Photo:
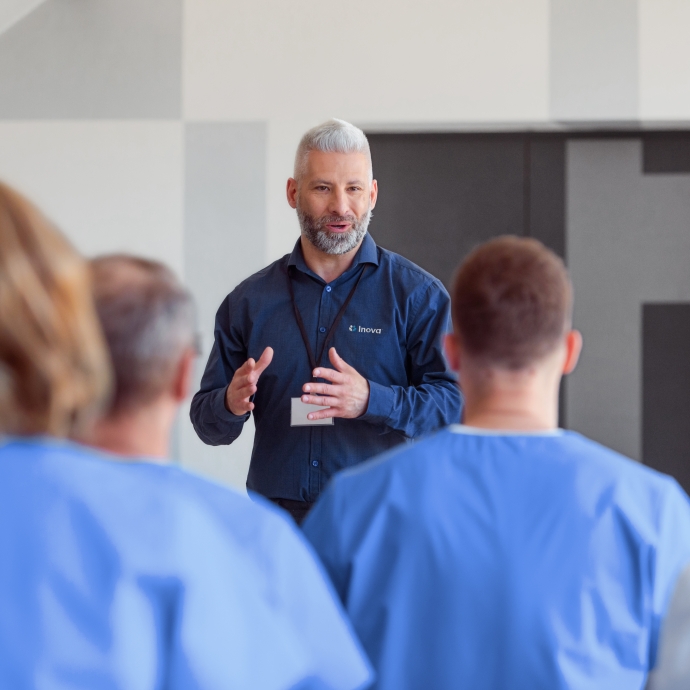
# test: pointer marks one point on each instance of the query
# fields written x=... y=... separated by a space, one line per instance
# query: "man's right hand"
x=243 y=384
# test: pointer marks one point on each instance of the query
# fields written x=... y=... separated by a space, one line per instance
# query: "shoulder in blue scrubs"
x=141 y=576
x=499 y=560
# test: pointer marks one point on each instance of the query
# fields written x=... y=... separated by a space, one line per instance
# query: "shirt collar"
x=477 y=431
x=366 y=254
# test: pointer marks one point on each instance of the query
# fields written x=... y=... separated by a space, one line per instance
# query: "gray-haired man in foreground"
x=221 y=591
x=335 y=348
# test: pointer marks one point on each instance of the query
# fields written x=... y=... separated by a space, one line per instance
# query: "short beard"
x=336 y=243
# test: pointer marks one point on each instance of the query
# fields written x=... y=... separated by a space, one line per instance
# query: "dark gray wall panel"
x=547 y=192
x=93 y=59
x=545 y=167
x=666 y=153
x=442 y=194
x=666 y=389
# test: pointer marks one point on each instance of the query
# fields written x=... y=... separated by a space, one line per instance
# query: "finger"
x=243 y=370
x=247 y=380
x=337 y=361
x=318 y=388
x=325 y=414
x=244 y=392
x=329 y=375
x=320 y=400
x=252 y=376
x=240 y=407
x=264 y=360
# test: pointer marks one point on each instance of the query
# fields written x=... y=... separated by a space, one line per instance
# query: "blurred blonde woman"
x=132 y=575
x=54 y=371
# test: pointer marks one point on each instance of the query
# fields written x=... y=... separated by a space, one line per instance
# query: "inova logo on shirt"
x=362 y=329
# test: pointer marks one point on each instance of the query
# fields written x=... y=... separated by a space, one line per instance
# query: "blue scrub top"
x=141 y=576
x=510 y=561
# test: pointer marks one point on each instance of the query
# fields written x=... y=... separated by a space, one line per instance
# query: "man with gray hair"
x=377 y=317
x=212 y=590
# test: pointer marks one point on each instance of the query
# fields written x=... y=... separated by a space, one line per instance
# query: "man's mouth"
x=338 y=227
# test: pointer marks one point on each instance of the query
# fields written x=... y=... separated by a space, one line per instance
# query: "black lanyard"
x=338 y=318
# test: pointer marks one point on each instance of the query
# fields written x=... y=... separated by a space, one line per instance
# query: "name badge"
x=300 y=410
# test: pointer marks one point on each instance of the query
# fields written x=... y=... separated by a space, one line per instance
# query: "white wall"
x=664 y=60
x=384 y=62
x=393 y=60
x=593 y=60
x=110 y=186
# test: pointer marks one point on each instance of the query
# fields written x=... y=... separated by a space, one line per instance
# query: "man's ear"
x=182 y=383
x=451 y=347
x=573 y=348
x=291 y=192
x=374 y=193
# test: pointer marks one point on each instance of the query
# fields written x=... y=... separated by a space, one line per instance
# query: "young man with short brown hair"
x=506 y=553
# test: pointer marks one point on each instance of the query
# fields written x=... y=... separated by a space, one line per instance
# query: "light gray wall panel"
x=12 y=11
x=593 y=59
x=225 y=242
x=93 y=59
x=628 y=242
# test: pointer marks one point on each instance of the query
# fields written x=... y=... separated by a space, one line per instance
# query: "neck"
x=141 y=433
x=518 y=402
x=327 y=266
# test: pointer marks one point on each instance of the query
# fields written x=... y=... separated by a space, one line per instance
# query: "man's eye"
x=355 y=189
x=322 y=188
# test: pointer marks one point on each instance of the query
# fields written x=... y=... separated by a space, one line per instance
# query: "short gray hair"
x=148 y=321
x=333 y=136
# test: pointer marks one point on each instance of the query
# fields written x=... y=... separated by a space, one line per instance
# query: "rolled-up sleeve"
x=432 y=400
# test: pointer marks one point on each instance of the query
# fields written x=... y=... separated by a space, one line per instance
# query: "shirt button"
x=322 y=329
x=315 y=463
x=328 y=288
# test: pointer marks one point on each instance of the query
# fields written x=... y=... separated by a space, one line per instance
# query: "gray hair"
x=148 y=321
x=333 y=136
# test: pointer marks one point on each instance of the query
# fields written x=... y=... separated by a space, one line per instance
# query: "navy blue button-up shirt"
x=391 y=334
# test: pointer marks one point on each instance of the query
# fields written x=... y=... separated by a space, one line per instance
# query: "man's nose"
x=339 y=204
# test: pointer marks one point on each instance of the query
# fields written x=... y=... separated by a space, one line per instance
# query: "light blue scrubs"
x=504 y=561
x=138 y=576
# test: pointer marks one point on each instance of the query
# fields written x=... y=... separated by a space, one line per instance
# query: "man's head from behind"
x=512 y=306
x=148 y=322
x=333 y=189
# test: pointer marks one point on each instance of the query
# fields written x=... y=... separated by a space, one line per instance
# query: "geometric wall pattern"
x=628 y=243
x=620 y=215
x=168 y=127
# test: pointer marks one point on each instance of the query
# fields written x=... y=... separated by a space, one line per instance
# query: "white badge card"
x=300 y=410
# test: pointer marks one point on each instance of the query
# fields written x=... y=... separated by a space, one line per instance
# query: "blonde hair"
x=54 y=368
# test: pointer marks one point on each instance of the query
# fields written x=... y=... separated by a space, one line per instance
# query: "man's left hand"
x=347 y=395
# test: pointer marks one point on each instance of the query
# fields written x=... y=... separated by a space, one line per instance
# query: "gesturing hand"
x=243 y=384
x=347 y=394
